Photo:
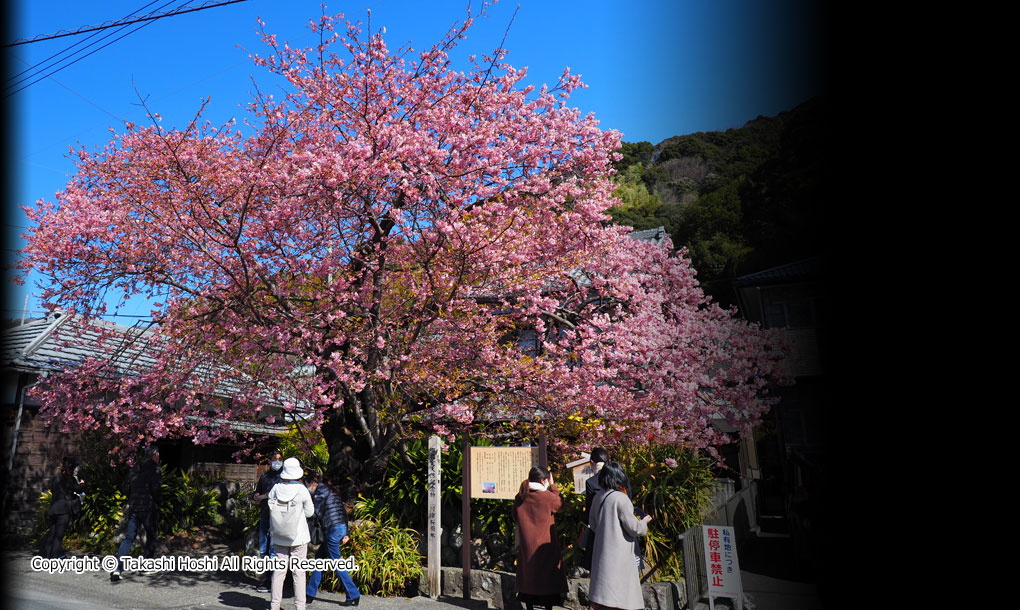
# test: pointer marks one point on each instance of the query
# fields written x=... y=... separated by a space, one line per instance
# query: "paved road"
x=91 y=590
x=29 y=589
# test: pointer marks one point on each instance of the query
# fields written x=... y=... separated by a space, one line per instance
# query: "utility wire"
x=66 y=49
x=84 y=56
x=111 y=24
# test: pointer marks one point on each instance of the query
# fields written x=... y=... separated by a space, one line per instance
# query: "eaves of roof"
x=806 y=269
x=61 y=341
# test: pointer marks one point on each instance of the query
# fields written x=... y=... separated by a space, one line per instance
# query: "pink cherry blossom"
x=368 y=249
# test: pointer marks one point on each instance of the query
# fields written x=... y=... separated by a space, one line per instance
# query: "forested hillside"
x=739 y=200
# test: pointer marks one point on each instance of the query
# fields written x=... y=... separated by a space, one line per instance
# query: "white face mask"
x=276 y=465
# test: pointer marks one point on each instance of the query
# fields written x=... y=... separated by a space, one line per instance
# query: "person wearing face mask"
x=540 y=577
x=266 y=482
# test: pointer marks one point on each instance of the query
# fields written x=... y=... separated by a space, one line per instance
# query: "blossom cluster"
x=375 y=245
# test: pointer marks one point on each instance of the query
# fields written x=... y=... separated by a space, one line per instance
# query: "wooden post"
x=434 y=517
x=543 y=458
x=465 y=527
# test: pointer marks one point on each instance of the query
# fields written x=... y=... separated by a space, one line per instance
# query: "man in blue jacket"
x=329 y=508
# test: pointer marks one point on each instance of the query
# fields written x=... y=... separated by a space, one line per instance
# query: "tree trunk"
x=358 y=451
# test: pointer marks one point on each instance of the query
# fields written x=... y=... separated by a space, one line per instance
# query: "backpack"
x=284 y=517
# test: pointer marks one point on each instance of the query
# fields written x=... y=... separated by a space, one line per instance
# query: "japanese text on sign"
x=497 y=472
x=721 y=563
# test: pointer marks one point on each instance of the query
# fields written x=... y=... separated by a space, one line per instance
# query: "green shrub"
x=246 y=511
x=403 y=498
x=101 y=511
x=188 y=502
x=40 y=521
x=389 y=563
x=307 y=445
x=676 y=493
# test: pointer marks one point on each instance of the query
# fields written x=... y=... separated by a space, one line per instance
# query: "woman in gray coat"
x=615 y=582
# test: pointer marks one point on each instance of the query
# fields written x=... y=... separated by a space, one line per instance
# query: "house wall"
x=40 y=450
x=244 y=474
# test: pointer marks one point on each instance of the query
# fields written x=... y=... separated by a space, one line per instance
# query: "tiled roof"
x=653 y=235
x=60 y=340
x=808 y=268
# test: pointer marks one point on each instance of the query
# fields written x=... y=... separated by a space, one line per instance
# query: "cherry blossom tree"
x=369 y=251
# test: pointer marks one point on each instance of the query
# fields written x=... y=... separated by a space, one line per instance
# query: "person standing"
x=329 y=507
x=540 y=576
x=144 y=487
x=261 y=495
x=599 y=457
x=290 y=506
x=64 y=506
x=615 y=579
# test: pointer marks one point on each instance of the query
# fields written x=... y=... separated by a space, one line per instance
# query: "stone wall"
x=497 y=590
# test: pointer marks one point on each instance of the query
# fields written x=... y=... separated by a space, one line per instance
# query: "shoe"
x=262 y=589
x=352 y=602
x=114 y=576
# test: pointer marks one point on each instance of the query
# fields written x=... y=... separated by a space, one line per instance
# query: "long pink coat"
x=539 y=560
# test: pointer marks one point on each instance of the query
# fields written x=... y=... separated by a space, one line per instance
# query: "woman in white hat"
x=290 y=505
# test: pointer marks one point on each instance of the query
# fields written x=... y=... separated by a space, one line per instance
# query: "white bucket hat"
x=291 y=469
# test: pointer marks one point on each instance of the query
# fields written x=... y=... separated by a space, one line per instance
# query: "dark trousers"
x=49 y=545
x=146 y=519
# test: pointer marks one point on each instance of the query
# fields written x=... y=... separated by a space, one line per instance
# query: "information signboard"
x=721 y=563
x=497 y=472
x=582 y=472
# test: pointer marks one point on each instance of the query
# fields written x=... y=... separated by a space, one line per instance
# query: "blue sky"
x=655 y=69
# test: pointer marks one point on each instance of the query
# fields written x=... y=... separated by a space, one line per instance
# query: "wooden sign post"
x=434 y=516
x=465 y=523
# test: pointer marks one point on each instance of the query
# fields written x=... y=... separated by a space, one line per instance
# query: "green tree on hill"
x=738 y=200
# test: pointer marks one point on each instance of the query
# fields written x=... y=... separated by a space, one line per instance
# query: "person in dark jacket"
x=599 y=457
x=265 y=484
x=144 y=487
x=329 y=508
x=64 y=506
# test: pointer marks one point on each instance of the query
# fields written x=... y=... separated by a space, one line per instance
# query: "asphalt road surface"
x=31 y=589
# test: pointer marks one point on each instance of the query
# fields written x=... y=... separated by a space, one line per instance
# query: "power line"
x=65 y=49
x=121 y=22
x=80 y=50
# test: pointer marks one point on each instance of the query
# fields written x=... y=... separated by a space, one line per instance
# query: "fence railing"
x=738 y=510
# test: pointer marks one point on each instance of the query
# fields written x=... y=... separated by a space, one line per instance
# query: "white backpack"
x=284 y=518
